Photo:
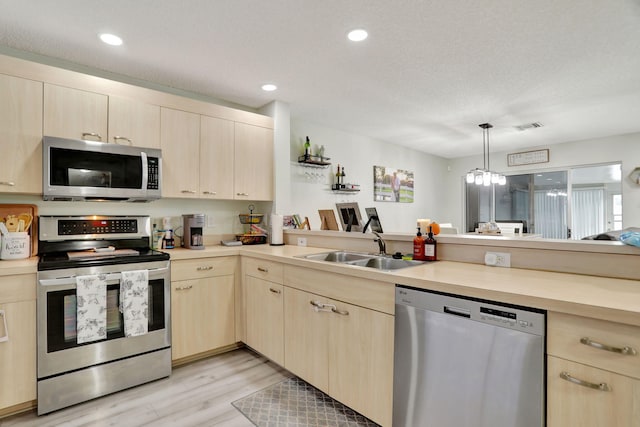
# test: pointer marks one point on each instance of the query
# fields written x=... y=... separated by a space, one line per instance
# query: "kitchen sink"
x=380 y=262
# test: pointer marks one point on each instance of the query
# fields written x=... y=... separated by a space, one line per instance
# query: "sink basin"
x=363 y=260
x=338 y=256
x=384 y=263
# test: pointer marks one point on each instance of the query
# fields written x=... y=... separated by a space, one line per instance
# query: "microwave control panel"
x=152 y=173
x=99 y=226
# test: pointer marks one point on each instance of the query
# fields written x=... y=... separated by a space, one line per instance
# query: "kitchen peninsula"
x=573 y=301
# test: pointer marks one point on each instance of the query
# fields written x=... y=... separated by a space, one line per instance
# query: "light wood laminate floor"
x=198 y=394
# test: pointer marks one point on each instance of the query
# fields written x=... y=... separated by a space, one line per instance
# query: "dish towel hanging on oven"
x=91 y=308
x=134 y=302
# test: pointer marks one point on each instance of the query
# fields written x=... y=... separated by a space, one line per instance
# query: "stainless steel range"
x=103 y=308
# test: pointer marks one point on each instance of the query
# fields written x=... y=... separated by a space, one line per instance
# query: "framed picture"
x=528 y=157
x=328 y=220
x=349 y=214
x=392 y=185
x=373 y=219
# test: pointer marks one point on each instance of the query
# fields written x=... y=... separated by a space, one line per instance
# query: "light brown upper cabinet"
x=133 y=123
x=75 y=114
x=216 y=158
x=20 y=135
x=79 y=114
x=253 y=163
x=180 y=143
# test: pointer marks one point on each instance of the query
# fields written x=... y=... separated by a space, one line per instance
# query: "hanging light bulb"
x=502 y=180
x=486 y=178
x=494 y=178
x=470 y=177
x=479 y=179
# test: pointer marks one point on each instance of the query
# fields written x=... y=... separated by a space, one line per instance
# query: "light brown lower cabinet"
x=581 y=395
x=343 y=349
x=17 y=340
x=265 y=317
x=202 y=305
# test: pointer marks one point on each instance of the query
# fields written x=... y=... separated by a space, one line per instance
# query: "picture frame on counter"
x=350 y=218
x=328 y=220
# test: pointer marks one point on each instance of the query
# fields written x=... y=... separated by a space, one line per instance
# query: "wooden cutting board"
x=15 y=209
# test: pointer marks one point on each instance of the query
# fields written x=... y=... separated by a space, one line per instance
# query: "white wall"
x=619 y=148
x=358 y=155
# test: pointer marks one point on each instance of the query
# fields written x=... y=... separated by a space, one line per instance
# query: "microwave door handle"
x=145 y=170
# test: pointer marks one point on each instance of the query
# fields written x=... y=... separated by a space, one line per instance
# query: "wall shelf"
x=314 y=162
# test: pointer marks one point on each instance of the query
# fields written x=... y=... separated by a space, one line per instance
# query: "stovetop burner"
x=94 y=241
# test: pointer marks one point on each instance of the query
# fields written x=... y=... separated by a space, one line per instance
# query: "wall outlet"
x=302 y=241
x=498 y=259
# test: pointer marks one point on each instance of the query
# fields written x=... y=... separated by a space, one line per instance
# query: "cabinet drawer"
x=575 y=402
x=598 y=343
x=21 y=287
x=202 y=267
x=266 y=270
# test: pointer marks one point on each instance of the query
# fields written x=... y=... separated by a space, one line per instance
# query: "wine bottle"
x=336 y=185
x=307 y=149
x=342 y=175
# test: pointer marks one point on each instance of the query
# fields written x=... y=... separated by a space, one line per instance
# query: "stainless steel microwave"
x=75 y=170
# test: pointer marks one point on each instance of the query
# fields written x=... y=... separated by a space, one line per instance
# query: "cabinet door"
x=571 y=404
x=133 y=123
x=18 y=353
x=306 y=338
x=180 y=142
x=75 y=114
x=216 y=158
x=20 y=133
x=361 y=360
x=253 y=162
x=202 y=315
x=265 y=318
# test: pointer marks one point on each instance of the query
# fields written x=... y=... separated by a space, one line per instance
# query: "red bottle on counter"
x=418 y=247
x=430 y=243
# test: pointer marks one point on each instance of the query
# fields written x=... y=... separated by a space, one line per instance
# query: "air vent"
x=528 y=126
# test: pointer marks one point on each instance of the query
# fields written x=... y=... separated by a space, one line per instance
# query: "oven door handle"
x=71 y=280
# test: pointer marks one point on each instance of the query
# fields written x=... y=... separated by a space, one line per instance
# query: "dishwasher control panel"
x=495 y=313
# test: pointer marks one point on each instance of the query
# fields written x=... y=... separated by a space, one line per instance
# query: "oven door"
x=58 y=349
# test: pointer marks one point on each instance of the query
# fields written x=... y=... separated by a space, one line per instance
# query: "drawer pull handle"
x=262 y=269
x=629 y=351
x=124 y=138
x=212 y=193
x=187 y=191
x=242 y=194
x=93 y=134
x=184 y=288
x=5 y=337
x=340 y=312
x=275 y=291
x=207 y=268
x=318 y=306
x=9 y=183
x=601 y=386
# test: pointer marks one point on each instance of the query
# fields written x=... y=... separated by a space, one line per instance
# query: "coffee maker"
x=193 y=227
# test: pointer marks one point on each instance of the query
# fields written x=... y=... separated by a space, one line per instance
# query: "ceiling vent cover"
x=529 y=126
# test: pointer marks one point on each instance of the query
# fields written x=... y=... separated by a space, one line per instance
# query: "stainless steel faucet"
x=381 y=243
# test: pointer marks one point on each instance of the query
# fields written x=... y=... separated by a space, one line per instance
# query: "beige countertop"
x=616 y=300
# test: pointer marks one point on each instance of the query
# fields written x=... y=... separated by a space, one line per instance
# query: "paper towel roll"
x=276 y=230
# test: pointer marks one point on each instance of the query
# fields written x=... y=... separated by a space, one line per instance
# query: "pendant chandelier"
x=485 y=176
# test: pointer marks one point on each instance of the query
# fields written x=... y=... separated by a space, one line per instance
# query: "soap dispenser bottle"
x=430 y=248
x=418 y=247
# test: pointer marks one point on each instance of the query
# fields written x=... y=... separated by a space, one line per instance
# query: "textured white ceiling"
x=428 y=74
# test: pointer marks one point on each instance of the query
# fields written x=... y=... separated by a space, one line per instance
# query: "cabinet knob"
x=92 y=134
x=629 y=351
x=602 y=386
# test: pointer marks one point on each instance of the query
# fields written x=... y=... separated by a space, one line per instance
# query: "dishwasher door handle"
x=457 y=311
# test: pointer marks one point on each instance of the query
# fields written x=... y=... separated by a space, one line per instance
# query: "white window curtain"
x=588 y=212
x=550 y=214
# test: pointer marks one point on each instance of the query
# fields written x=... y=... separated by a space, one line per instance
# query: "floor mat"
x=294 y=403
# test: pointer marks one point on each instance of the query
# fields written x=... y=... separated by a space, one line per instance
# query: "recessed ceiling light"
x=111 y=39
x=269 y=87
x=357 y=35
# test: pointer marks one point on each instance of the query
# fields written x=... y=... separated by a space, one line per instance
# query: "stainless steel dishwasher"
x=467 y=363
